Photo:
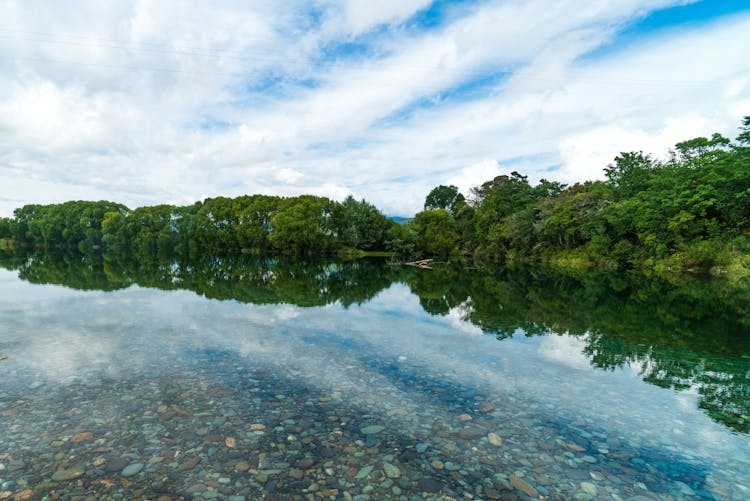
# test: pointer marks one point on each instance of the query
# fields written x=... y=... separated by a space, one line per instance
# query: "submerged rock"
x=69 y=474
x=523 y=486
x=132 y=469
x=494 y=439
x=391 y=471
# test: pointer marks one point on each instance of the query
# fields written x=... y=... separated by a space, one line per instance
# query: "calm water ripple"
x=165 y=394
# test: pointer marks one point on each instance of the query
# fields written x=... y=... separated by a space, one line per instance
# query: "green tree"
x=360 y=224
x=302 y=225
x=630 y=173
x=436 y=232
x=445 y=197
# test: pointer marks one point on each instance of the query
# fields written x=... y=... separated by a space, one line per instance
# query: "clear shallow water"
x=151 y=392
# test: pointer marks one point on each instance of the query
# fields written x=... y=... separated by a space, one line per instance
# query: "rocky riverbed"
x=195 y=400
x=235 y=432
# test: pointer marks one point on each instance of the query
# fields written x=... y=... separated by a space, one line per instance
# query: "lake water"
x=242 y=379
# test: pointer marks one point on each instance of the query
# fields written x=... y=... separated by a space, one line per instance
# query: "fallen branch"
x=422 y=263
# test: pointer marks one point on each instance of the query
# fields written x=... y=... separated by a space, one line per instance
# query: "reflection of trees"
x=245 y=279
x=692 y=335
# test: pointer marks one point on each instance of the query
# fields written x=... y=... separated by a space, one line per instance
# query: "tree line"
x=216 y=226
x=691 y=211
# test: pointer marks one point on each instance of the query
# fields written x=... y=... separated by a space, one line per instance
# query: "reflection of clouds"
x=566 y=350
x=459 y=315
x=81 y=335
x=14 y=292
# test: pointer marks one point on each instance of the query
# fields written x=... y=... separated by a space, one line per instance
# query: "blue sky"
x=170 y=102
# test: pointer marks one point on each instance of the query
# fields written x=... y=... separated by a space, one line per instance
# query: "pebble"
x=485 y=408
x=494 y=439
x=589 y=488
x=24 y=495
x=242 y=466
x=523 y=486
x=391 y=471
x=364 y=472
x=115 y=464
x=69 y=474
x=372 y=429
x=82 y=437
x=429 y=485
x=190 y=463
x=132 y=469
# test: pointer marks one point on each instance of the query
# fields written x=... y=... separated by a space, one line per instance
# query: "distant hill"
x=400 y=219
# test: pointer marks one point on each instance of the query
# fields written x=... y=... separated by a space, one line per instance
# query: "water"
x=264 y=379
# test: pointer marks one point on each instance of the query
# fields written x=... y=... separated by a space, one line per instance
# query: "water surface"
x=263 y=379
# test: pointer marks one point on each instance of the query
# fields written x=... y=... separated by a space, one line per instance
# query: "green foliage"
x=72 y=225
x=445 y=197
x=436 y=230
x=302 y=225
x=646 y=214
x=359 y=224
x=6 y=231
x=630 y=173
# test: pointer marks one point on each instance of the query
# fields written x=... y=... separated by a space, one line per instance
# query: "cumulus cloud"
x=146 y=102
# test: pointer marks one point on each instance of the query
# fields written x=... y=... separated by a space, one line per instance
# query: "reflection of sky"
x=55 y=335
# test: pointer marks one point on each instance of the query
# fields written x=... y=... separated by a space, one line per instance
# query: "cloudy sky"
x=149 y=102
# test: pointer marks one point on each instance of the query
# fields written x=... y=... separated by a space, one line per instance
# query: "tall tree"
x=445 y=197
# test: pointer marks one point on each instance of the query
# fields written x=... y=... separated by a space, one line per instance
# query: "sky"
x=149 y=102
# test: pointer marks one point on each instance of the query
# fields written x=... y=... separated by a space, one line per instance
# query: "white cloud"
x=474 y=175
x=361 y=15
x=137 y=104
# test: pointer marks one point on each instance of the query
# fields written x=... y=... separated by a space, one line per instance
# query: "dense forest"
x=689 y=212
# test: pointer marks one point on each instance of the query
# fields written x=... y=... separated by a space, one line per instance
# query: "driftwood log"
x=422 y=263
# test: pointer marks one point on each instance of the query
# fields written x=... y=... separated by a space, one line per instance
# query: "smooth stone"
x=373 y=429
x=363 y=472
x=523 y=486
x=421 y=448
x=115 y=464
x=589 y=488
x=391 y=471
x=429 y=485
x=132 y=469
x=84 y=436
x=470 y=433
x=438 y=465
x=494 y=439
x=69 y=474
x=484 y=408
x=452 y=466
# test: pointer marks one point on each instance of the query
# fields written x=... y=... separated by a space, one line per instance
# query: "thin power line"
x=250 y=56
